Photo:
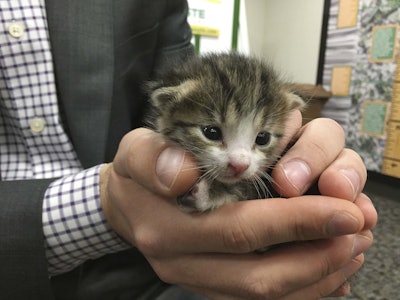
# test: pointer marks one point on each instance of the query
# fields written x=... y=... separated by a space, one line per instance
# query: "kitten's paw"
x=197 y=199
x=187 y=202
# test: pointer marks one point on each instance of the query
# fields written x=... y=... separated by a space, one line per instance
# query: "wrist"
x=74 y=224
x=114 y=217
x=104 y=175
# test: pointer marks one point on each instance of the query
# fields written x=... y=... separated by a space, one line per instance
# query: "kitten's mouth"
x=235 y=178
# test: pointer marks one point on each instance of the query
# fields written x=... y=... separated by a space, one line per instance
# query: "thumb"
x=158 y=165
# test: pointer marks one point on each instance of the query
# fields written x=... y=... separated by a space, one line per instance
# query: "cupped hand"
x=213 y=253
x=317 y=154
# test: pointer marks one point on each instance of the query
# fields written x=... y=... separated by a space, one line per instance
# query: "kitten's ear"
x=295 y=101
x=163 y=96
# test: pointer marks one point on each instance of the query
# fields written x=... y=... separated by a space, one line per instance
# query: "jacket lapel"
x=81 y=34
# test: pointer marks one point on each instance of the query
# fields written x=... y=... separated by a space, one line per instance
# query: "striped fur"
x=240 y=97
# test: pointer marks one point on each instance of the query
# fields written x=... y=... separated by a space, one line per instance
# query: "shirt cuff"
x=74 y=225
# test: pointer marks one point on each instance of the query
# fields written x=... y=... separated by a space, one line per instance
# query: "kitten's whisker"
x=215 y=173
x=211 y=172
x=189 y=169
x=260 y=185
x=259 y=196
x=269 y=178
x=267 y=191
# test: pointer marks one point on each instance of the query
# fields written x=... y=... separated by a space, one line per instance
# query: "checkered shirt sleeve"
x=34 y=145
x=74 y=225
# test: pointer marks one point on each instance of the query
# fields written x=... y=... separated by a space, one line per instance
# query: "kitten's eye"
x=263 y=138
x=212 y=133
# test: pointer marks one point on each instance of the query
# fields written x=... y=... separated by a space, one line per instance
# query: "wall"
x=362 y=71
x=221 y=17
x=288 y=33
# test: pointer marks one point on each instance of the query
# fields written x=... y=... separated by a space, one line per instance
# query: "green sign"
x=383 y=43
x=374 y=118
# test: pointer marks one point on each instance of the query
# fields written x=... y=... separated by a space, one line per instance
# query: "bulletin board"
x=361 y=68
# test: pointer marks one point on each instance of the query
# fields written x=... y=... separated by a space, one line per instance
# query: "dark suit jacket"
x=102 y=50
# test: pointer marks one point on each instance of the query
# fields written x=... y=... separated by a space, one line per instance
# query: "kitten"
x=228 y=110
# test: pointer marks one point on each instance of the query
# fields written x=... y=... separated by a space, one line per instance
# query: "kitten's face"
x=229 y=112
x=229 y=146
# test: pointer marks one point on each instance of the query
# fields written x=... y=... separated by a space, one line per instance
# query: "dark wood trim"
x=322 y=46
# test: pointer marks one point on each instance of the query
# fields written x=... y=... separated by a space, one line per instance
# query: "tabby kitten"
x=228 y=110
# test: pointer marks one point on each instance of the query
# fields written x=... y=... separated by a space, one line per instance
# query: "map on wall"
x=363 y=37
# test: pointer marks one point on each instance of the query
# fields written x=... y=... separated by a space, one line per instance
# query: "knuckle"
x=334 y=125
x=164 y=271
x=331 y=261
x=322 y=140
x=355 y=157
x=259 y=288
x=328 y=124
x=148 y=242
x=238 y=239
x=325 y=267
x=323 y=125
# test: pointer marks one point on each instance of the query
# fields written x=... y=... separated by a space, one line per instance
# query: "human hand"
x=213 y=253
x=318 y=154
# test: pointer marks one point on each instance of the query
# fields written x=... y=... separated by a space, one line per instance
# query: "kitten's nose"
x=238 y=168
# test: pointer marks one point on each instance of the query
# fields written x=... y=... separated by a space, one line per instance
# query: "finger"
x=370 y=214
x=155 y=164
x=270 y=275
x=342 y=291
x=250 y=225
x=334 y=285
x=345 y=177
x=292 y=126
x=312 y=153
x=245 y=226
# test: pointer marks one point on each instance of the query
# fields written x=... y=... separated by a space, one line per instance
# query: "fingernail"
x=353 y=178
x=351 y=268
x=169 y=164
x=342 y=291
x=343 y=223
x=298 y=173
x=360 y=244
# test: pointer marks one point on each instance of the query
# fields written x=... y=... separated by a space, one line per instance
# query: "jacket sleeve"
x=23 y=270
x=158 y=35
x=127 y=275
x=174 y=42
